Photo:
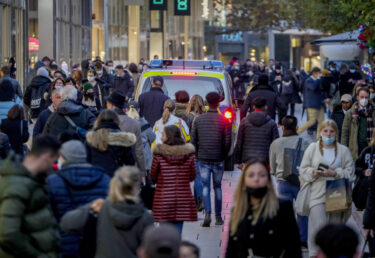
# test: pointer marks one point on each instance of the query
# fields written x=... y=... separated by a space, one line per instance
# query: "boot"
x=207 y=220
x=199 y=204
x=219 y=221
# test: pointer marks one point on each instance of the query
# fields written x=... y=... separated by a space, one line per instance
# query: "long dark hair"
x=16 y=113
x=174 y=136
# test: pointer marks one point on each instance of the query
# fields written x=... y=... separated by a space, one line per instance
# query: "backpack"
x=37 y=97
x=287 y=88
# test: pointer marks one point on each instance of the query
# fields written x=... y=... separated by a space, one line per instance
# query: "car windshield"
x=193 y=85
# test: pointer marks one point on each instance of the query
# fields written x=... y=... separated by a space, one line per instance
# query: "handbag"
x=292 y=161
x=338 y=195
x=302 y=203
x=147 y=193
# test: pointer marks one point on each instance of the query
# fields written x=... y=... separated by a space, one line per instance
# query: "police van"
x=197 y=77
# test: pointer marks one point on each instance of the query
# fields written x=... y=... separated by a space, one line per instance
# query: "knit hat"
x=213 y=98
x=7 y=91
x=87 y=87
x=74 y=151
x=42 y=72
x=325 y=72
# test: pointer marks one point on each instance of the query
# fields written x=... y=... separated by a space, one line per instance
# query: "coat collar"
x=173 y=150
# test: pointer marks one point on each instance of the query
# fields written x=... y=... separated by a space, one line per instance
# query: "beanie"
x=87 y=87
x=42 y=72
x=73 y=151
x=213 y=98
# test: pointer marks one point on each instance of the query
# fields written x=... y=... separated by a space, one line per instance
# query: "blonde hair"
x=133 y=113
x=324 y=124
x=268 y=207
x=169 y=107
x=124 y=184
x=196 y=105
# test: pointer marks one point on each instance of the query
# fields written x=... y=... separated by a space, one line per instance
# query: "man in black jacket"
x=265 y=91
x=211 y=136
x=151 y=103
x=123 y=82
x=339 y=111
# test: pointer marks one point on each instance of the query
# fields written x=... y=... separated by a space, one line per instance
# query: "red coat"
x=173 y=168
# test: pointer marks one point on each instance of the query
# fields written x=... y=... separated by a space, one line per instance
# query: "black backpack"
x=37 y=100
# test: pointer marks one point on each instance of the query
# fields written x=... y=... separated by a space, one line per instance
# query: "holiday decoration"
x=366 y=69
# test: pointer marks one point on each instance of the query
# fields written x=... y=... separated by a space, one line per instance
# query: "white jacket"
x=173 y=120
x=310 y=162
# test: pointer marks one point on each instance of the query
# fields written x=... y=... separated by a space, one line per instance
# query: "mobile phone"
x=319 y=171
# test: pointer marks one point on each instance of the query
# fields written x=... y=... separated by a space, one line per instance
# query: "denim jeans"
x=217 y=170
x=179 y=225
x=198 y=187
x=289 y=192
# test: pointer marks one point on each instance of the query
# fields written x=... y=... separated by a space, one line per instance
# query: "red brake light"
x=184 y=73
x=228 y=114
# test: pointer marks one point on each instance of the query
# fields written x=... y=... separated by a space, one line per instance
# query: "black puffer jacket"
x=211 y=136
x=273 y=101
x=34 y=95
x=56 y=123
x=255 y=135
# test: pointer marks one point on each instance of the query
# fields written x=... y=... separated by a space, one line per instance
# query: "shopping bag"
x=302 y=204
x=337 y=195
x=292 y=161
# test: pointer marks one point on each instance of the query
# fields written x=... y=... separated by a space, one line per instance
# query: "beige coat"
x=310 y=162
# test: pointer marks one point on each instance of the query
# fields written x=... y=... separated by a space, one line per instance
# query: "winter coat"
x=277 y=153
x=130 y=125
x=255 y=135
x=15 y=84
x=310 y=162
x=4 y=146
x=173 y=168
x=12 y=128
x=5 y=106
x=71 y=187
x=151 y=105
x=276 y=237
x=93 y=106
x=338 y=116
x=313 y=97
x=346 y=87
x=27 y=226
x=57 y=123
x=120 y=227
x=369 y=214
x=148 y=137
x=173 y=120
x=181 y=111
x=42 y=120
x=272 y=98
x=35 y=101
x=211 y=136
x=349 y=131
x=294 y=97
x=102 y=90
x=124 y=84
x=119 y=150
x=365 y=161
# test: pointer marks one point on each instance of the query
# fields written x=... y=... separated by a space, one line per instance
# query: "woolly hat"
x=42 y=72
x=213 y=98
x=7 y=91
x=74 y=151
x=87 y=87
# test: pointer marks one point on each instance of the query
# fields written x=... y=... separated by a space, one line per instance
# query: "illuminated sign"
x=182 y=7
x=205 y=10
x=159 y=5
x=33 y=44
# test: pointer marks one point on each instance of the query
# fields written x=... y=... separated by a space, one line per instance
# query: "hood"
x=181 y=109
x=82 y=177
x=143 y=122
x=115 y=138
x=38 y=81
x=173 y=150
x=258 y=118
x=69 y=108
x=125 y=215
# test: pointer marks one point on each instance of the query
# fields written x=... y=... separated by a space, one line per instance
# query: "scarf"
x=368 y=114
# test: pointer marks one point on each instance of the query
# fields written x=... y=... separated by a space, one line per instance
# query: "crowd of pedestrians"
x=102 y=169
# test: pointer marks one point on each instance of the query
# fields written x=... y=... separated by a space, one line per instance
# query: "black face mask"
x=90 y=95
x=258 y=193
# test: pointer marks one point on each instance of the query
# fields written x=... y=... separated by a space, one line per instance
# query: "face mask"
x=372 y=95
x=99 y=72
x=237 y=68
x=251 y=73
x=257 y=192
x=363 y=102
x=332 y=69
x=90 y=95
x=344 y=111
x=58 y=87
x=352 y=70
x=59 y=164
x=118 y=75
x=91 y=78
x=328 y=141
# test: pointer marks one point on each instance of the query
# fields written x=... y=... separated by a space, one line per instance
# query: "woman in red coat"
x=173 y=168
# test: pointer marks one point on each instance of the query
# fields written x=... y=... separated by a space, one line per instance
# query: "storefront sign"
x=33 y=44
x=232 y=37
x=159 y=5
x=182 y=7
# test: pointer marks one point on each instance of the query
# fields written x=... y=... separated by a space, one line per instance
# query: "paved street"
x=212 y=241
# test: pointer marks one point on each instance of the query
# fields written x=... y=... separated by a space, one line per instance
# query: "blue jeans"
x=289 y=192
x=179 y=225
x=198 y=187
x=217 y=170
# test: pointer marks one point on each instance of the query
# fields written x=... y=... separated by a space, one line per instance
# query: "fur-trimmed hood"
x=115 y=138
x=173 y=150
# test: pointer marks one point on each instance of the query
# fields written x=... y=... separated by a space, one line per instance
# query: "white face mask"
x=91 y=78
x=352 y=70
x=58 y=87
x=59 y=164
x=363 y=102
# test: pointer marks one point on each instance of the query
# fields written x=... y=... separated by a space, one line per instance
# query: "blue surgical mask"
x=99 y=72
x=91 y=78
x=352 y=70
x=328 y=140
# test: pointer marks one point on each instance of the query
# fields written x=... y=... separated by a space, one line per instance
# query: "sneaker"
x=304 y=246
x=206 y=221
x=219 y=221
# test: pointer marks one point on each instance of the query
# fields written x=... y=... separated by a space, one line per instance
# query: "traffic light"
x=182 y=7
x=159 y=5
